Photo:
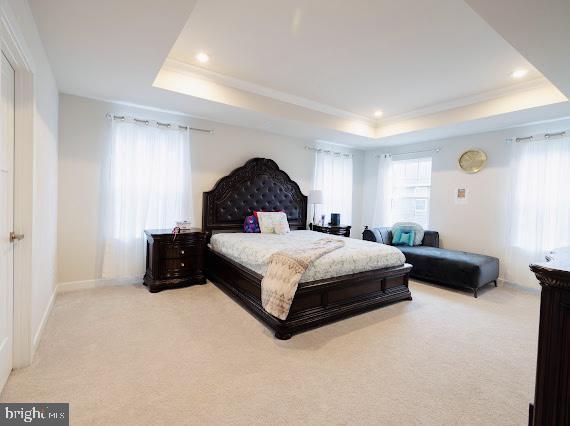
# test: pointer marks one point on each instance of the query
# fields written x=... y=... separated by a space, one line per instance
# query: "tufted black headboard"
x=258 y=185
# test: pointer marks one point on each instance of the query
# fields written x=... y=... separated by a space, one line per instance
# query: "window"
x=147 y=185
x=538 y=205
x=411 y=187
x=333 y=176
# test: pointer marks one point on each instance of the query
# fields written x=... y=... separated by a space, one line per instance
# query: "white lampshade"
x=316 y=196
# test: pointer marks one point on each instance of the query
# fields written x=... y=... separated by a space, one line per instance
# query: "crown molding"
x=178 y=66
x=175 y=65
x=463 y=101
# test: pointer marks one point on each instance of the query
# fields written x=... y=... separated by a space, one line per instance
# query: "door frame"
x=13 y=44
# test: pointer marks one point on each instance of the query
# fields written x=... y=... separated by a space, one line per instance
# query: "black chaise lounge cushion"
x=448 y=267
x=455 y=268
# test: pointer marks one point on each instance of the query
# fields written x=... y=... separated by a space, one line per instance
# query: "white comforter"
x=254 y=250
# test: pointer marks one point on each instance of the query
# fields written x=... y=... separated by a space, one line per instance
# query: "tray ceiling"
x=317 y=69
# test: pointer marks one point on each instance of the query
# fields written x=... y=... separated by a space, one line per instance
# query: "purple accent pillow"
x=251 y=225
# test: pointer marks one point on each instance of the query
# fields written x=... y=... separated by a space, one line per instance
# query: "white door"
x=6 y=218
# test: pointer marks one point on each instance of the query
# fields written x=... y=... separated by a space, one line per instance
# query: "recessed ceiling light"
x=378 y=113
x=202 y=57
x=519 y=73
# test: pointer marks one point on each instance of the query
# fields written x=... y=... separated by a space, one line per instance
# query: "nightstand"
x=174 y=262
x=342 y=230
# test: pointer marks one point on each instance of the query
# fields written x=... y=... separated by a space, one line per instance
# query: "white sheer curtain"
x=147 y=185
x=333 y=176
x=383 y=203
x=539 y=205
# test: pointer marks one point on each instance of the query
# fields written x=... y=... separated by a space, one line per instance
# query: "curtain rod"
x=423 y=151
x=541 y=136
x=327 y=151
x=158 y=123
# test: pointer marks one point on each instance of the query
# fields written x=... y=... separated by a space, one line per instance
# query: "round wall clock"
x=472 y=161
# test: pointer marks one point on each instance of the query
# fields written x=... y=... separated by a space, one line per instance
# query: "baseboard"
x=96 y=283
x=509 y=284
x=43 y=322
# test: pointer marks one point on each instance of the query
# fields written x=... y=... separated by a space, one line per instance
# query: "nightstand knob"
x=182 y=251
x=182 y=264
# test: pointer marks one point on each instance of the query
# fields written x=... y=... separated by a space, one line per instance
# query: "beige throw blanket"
x=286 y=267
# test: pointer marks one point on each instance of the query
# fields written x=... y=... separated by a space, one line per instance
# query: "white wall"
x=480 y=225
x=84 y=133
x=44 y=230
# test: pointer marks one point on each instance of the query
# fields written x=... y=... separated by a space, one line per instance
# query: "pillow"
x=273 y=222
x=405 y=238
x=255 y=213
x=281 y=228
x=251 y=225
x=410 y=226
x=396 y=233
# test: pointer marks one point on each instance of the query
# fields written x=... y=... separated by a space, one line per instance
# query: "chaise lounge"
x=446 y=267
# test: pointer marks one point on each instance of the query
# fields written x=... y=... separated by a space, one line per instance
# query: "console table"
x=552 y=393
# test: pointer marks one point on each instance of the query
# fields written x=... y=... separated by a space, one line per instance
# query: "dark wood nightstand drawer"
x=179 y=267
x=342 y=230
x=180 y=250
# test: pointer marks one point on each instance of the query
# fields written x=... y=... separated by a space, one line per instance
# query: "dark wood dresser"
x=552 y=393
x=342 y=230
x=174 y=262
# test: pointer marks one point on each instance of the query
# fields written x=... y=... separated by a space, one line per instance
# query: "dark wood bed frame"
x=261 y=185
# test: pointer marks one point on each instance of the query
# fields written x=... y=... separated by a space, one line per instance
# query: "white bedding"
x=253 y=251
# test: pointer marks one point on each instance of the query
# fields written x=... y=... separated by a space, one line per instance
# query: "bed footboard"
x=316 y=303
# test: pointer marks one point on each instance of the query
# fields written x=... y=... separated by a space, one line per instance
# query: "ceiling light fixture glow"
x=202 y=57
x=519 y=73
x=378 y=113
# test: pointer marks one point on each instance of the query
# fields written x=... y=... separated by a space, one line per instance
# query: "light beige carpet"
x=121 y=355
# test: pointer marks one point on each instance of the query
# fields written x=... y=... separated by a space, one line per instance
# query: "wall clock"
x=472 y=161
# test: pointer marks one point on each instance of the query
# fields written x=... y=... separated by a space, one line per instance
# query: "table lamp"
x=315 y=197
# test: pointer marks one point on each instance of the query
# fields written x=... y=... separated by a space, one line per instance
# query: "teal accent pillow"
x=403 y=237
x=411 y=226
x=396 y=233
x=407 y=238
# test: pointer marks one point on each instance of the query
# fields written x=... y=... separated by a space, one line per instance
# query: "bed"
x=356 y=278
